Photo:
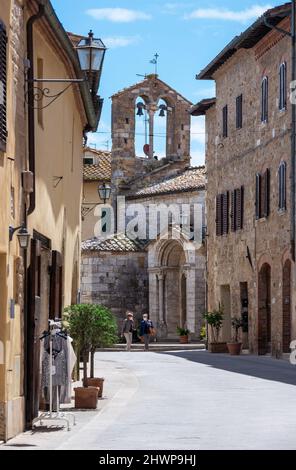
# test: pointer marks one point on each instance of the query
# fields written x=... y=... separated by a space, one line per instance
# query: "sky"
x=187 y=35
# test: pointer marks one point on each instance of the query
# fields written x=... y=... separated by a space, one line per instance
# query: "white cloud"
x=120 y=41
x=118 y=15
x=228 y=15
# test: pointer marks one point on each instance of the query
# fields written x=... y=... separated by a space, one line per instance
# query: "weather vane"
x=155 y=62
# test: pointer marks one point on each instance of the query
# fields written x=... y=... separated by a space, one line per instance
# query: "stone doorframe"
x=158 y=270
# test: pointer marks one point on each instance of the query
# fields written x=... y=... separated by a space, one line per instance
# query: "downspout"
x=31 y=110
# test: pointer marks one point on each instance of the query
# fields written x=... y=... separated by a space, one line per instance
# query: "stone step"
x=158 y=347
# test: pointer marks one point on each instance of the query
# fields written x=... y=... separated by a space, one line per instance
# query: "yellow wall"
x=90 y=194
x=57 y=214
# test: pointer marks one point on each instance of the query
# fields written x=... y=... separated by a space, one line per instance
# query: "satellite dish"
x=146 y=149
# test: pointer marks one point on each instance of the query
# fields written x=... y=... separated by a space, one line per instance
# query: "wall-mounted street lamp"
x=23 y=236
x=104 y=191
x=91 y=53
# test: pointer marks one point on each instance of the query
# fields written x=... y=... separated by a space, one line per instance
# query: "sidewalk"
x=119 y=383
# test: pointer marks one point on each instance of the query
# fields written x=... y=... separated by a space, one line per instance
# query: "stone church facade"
x=161 y=269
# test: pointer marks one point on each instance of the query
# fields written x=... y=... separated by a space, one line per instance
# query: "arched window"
x=283 y=87
x=141 y=128
x=264 y=100
x=160 y=130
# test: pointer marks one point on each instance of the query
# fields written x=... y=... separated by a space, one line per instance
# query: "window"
x=237 y=209
x=222 y=214
x=283 y=87
x=88 y=161
x=225 y=121
x=262 y=194
x=264 y=100
x=283 y=186
x=239 y=112
x=3 y=82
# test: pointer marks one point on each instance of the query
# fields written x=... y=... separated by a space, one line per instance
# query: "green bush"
x=215 y=321
x=90 y=326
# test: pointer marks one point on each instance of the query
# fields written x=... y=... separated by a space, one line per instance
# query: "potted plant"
x=104 y=335
x=184 y=335
x=215 y=322
x=235 y=346
x=80 y=320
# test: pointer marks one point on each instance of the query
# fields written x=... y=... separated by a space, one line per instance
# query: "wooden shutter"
x=239 y=208
x=258 y=196
x=239 y=112
x=225 y=213
x=3 y=86
x=233 y=211
x=266 y=193
x=225 y=121
x=219 y=215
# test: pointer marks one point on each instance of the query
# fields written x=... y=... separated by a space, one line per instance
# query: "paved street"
x=183 y=400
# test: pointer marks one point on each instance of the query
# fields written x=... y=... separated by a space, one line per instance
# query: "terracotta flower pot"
x=234 y=348
x=86 y=398
x=184 y=339
x=97 y=382
x=218 y=348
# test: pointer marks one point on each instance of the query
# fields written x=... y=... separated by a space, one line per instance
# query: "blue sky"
x=186 y=35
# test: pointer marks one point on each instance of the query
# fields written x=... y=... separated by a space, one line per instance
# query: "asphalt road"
x=183 y=400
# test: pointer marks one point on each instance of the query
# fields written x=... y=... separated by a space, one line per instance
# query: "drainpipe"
x=293 y=133
x=31 y=110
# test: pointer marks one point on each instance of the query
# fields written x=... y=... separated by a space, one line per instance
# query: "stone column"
x=160 y=298
x=162 y=326
x=153 y=298
x=191 y=300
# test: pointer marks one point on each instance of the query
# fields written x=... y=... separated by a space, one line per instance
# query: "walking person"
x=127 y=329
x=145 y=332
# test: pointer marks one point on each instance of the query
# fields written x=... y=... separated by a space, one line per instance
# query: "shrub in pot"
x=215 y=322
x=80 y=323
x=235 y=346
x=184 y=335
x=104 y=335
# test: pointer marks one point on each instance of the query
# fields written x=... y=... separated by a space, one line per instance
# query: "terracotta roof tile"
x=117 y=243
x=99 y=171
x=192 y=179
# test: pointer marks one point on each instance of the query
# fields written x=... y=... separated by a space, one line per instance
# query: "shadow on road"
x=254 y=366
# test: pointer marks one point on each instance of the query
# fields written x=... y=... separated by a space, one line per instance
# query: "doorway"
x=226 y=305
x=264 y=310
x=287 y=269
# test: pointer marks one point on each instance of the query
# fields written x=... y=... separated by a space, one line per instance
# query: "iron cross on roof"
x=155 y=62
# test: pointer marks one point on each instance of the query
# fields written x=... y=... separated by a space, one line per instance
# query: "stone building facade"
x=250 y=270
x=165 y=276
